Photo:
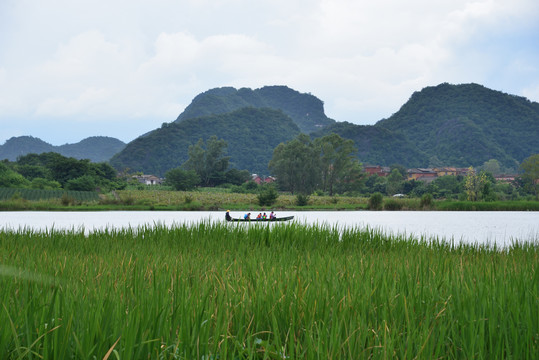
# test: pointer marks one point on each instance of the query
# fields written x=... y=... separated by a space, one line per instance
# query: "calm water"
x=498 y=227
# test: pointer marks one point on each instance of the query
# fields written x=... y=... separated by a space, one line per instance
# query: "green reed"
x=263 y=291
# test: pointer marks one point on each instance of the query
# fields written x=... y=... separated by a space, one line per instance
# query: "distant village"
x=430 y=174
x=420 y=174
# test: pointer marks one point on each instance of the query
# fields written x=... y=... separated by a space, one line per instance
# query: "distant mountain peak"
x=94 y=148
x=306 y=110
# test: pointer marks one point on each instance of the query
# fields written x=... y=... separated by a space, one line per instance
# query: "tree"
x=237 y=177
x=10 y=178
x=492 y=166
x=40 y=183
x=296 y=165
x=64 y=169
x=530 y=175
x=475 y=185
x=449 y=185
x=82 y=183
x=337 y=160
x=209 y=162
x=376 y=183
x=394 y=182
x=401 y=168
x=182 y=180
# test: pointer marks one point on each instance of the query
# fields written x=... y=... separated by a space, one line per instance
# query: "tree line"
x=303 y=166
x=51 y=171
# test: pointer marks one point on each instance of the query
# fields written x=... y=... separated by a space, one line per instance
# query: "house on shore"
x=422 y=174
x=148 y=179
x=262 y=180
x=377 y=170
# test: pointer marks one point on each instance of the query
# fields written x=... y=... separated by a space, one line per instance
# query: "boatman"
x=227 y=216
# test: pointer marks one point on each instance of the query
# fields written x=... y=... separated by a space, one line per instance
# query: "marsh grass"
x=281 y=291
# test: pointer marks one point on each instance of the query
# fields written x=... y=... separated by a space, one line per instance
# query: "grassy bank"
x=220 y=199
x=227 y=291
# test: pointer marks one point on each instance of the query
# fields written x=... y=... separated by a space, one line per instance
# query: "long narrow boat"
x=284 y=218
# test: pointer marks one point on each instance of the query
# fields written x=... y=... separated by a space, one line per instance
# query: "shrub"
x=392 y=204
x=83 y=183
x=267 y=196
x=375 y=201
x=426 y=201
x=67 y=200
x=302 y=199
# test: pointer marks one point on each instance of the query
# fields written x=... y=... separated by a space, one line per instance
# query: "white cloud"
x=88 y=103
x=141 y=62
x=532 y=92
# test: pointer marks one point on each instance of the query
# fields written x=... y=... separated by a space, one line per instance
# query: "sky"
x=70 y=69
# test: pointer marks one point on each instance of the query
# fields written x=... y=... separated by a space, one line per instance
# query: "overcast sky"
x=70 y=69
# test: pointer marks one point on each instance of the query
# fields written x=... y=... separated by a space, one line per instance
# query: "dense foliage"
x=530 y=168
x=96 y=148
x=466 y=125
x=328 y=164
x=378 y=146
x=55 y=171
x=445 y=125
x=251 y=135
x=306 y=110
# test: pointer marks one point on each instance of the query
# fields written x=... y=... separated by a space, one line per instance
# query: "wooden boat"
x=284 y=218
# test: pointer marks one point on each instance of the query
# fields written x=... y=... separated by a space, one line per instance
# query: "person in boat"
x=259 y=216
x=247 y=216
x=227 y=216
x=272 y=216
x=264 y=216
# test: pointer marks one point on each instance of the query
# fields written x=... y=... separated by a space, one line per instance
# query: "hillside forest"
x=226 y=135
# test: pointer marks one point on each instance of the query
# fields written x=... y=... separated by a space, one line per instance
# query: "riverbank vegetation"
x=217 y=290
x=320 y=174
x=215 y=199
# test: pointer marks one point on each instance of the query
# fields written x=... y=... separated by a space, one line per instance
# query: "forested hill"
x=468 y=124
x=445 y=125
x=251 y=134
x=95 y=148
x=378 y=146
x=306 y=110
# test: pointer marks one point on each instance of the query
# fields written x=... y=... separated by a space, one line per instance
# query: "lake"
x=494 y=227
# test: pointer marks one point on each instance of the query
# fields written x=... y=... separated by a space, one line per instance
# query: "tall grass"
x=236 y=291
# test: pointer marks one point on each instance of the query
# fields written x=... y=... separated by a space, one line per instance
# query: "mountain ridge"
x=468 y=124
x=251 y=134
x=94 y=148
x=444 y=125
x=306 y=110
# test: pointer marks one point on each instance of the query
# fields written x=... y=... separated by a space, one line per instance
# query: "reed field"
x=222 y=199
x=215 y=290
x=204 y=200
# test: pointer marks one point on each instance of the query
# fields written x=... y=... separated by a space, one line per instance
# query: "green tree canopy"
x=297 y=165
x=337 y=160
x=208 y=160
x=10 y=178
x=530 y=168
x=181 y=179
x=327 y=163
x=492 y=166
x=394 y=182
